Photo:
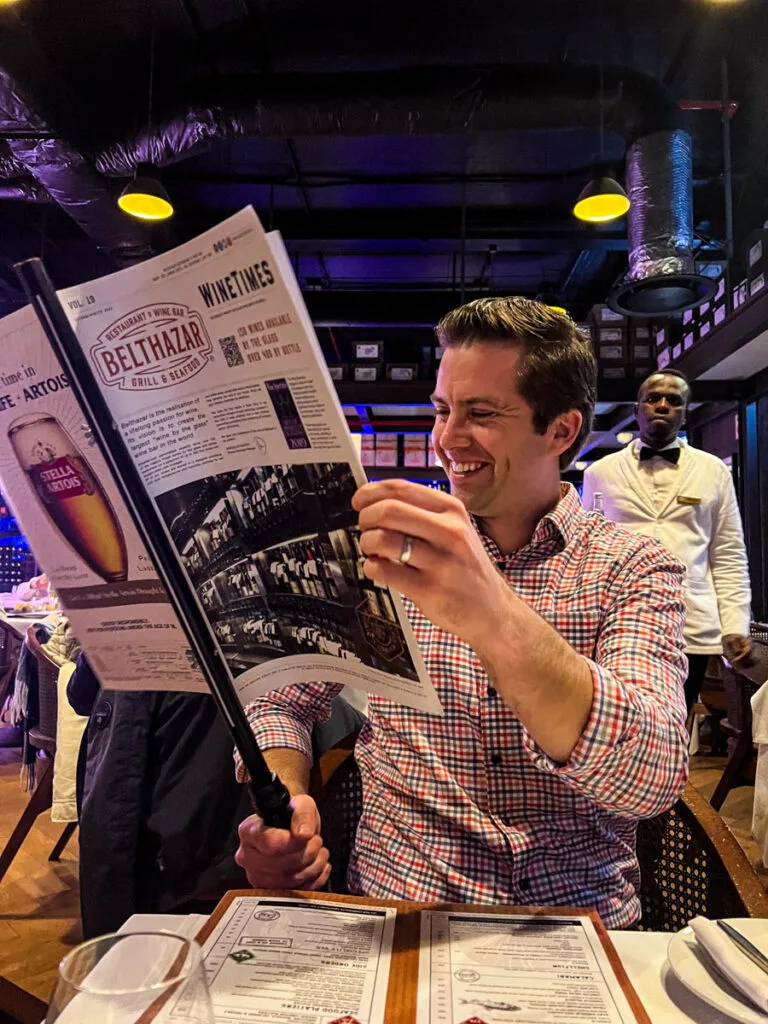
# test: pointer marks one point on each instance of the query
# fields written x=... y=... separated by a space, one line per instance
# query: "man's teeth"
x=466 y=467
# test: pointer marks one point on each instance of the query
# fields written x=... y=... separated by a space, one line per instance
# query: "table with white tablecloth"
x=643 y=954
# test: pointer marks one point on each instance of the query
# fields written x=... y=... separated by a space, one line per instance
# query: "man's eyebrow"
x=474 y=400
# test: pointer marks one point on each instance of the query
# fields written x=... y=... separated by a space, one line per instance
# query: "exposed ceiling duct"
x=661 y=278
x=10 y=167
x=26 y=189
x=423 y=101
x=429 y=101
x=67 y=177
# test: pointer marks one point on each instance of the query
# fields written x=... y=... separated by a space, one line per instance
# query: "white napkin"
x=735 y=965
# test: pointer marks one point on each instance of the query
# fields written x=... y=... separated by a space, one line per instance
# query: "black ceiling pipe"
x=26 y=189
x=67 y=177
x=339 y=308
x=420 y=101
x=426 y=101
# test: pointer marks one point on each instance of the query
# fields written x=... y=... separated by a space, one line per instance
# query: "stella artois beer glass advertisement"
x=63 y=494
x=212 y=372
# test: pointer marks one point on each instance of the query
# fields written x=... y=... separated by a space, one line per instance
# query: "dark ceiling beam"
x=583 y=271
x=429 y=245
x=491 y=224
x=615 y=419
x=179 y=175
x=300 y=183
x=202 y=37
x=357 y=309
x=620 y=419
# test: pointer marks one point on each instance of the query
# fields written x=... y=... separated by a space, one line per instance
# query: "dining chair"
x=10 y=648
x=42 y=736
x=690 y=862
x=742 y=682
x=338 y=790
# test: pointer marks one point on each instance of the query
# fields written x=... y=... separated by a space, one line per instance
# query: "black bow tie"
x=670 y=454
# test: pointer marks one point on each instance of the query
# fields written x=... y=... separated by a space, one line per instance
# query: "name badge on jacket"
x=682 y=499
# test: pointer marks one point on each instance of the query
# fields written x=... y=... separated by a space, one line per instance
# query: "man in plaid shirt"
x=553 y=638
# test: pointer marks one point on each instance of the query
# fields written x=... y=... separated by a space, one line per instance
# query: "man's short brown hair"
x=557 y=371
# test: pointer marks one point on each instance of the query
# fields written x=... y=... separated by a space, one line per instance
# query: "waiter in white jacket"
x=661 y=487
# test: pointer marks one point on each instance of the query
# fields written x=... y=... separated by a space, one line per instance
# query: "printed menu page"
x=209 y=364
x=494 y=968
x=275 y=960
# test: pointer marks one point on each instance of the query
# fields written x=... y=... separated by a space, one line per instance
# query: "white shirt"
x=661 y=477
x=691 y=509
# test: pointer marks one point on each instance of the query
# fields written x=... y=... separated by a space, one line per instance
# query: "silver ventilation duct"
x=65 y=174
x=661 y=279
x=27 y=189
x=416 y=101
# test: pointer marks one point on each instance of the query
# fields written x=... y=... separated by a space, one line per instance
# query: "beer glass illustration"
x=70 y=494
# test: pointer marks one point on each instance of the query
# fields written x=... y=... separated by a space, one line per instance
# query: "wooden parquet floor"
x=39 y=901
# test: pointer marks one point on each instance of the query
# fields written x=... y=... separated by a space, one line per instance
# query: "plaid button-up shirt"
x=468 y=808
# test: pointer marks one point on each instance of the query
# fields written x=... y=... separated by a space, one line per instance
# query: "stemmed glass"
x=133 y=978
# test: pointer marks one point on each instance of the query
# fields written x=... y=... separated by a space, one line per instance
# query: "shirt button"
x=495 y=758
x=524 y=884
x=491 y=691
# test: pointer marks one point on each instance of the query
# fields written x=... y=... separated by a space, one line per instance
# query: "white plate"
x=694 y=968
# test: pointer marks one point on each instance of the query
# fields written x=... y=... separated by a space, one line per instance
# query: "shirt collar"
x=553 y=531
x=637 y=444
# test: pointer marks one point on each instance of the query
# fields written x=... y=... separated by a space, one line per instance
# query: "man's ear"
x=564 y=429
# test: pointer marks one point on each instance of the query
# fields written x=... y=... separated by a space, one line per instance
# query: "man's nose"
x=454 y=433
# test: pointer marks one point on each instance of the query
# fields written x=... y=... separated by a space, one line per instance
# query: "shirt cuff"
x=610 y=723
x=271 y=730
x=734 y=622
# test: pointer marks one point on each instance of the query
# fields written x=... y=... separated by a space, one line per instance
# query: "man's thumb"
x=303 y=822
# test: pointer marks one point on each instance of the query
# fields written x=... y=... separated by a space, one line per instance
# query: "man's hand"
x=737 y=648
x=449 y=576
x=274 y=858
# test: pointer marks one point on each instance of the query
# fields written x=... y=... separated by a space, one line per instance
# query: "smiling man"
x=553 y=638
x=662 y=487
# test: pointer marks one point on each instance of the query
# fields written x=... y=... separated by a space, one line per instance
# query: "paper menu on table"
x=494 y=968
x=278 y=959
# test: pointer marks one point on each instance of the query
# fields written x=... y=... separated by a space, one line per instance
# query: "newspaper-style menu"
x=210 y=367
x=61 y=490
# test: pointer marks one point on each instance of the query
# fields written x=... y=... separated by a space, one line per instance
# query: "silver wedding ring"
x=406 y=550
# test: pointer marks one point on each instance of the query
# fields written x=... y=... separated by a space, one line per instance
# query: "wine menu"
x=208 y=362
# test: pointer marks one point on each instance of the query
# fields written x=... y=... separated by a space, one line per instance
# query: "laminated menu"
x=311 y=958
x=208 y=362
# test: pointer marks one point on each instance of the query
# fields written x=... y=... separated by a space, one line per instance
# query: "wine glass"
x=132 y=979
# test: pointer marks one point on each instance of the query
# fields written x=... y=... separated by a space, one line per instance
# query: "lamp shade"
x=601 y=200
x=552 y=301
x=145 y=197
